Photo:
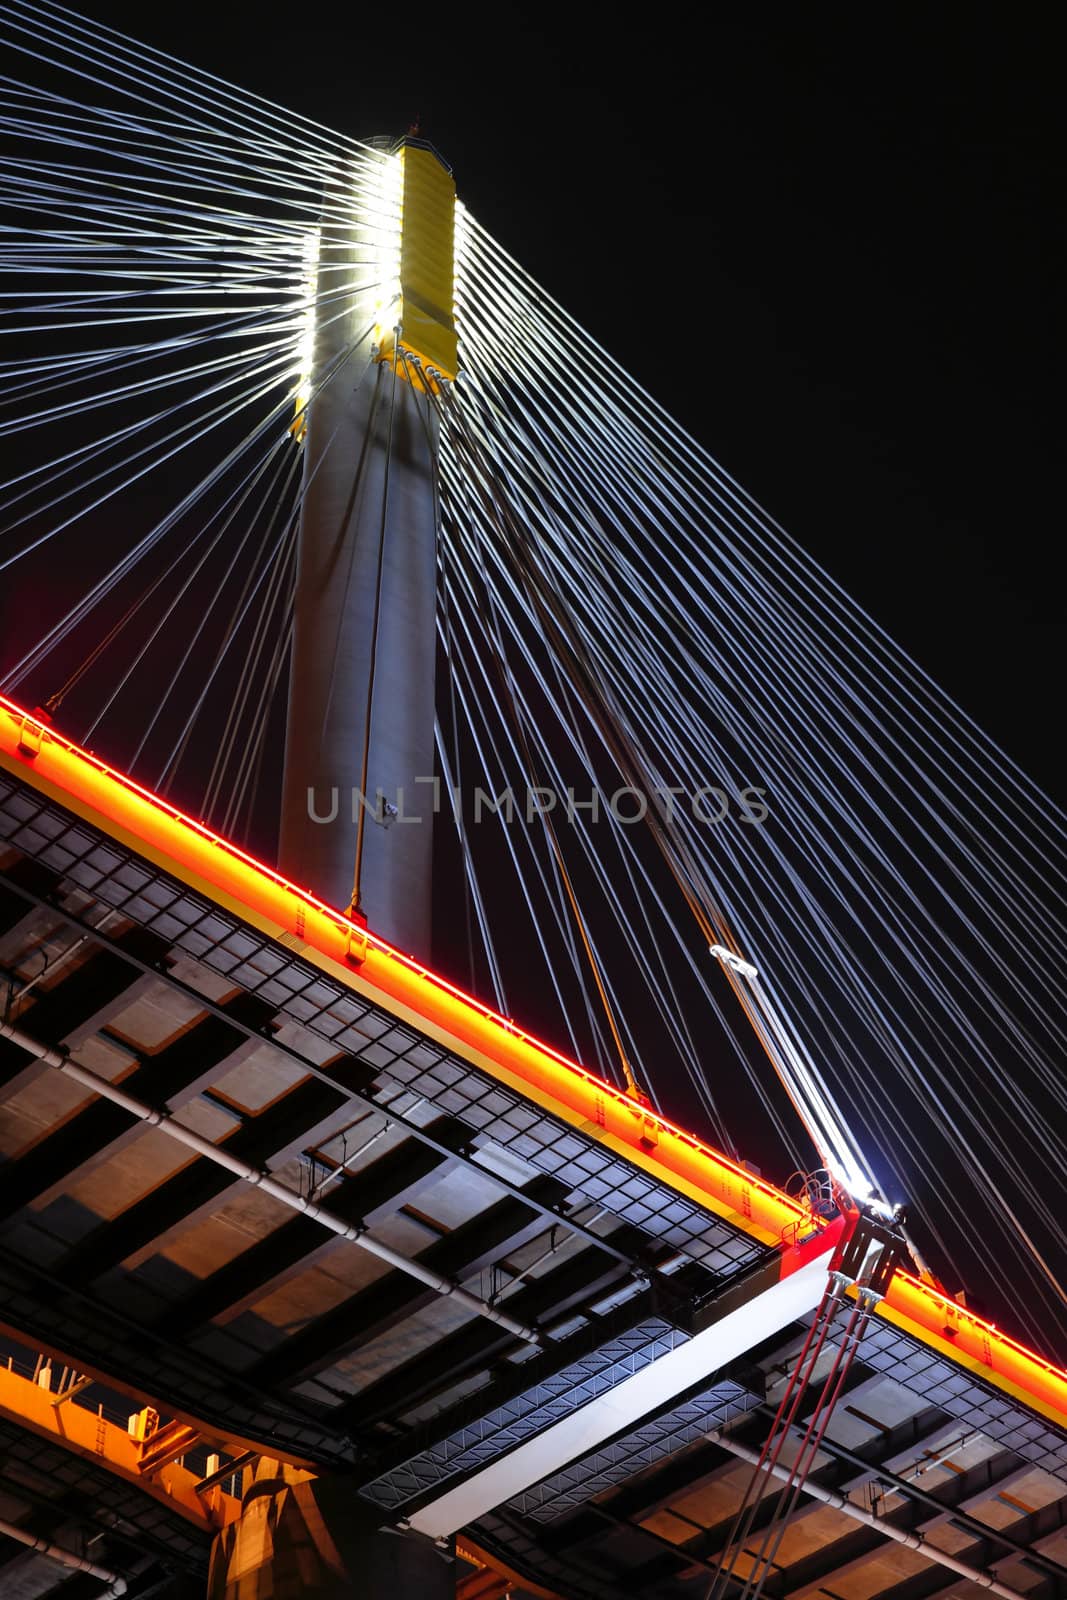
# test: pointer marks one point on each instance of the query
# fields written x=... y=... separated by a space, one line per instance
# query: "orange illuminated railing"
x=191 y=852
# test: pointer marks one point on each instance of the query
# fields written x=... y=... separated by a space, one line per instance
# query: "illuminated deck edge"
x=78 y=780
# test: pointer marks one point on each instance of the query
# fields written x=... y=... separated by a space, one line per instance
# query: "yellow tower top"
x=425 y=313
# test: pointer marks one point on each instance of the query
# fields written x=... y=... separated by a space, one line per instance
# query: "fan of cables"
x=158 y=244
x=901 y=902
x=745 y=817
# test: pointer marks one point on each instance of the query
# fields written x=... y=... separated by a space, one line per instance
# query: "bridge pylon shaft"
x=301 y=1537
x=360 y=727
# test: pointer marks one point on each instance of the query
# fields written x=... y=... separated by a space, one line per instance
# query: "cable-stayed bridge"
x=375 y=1276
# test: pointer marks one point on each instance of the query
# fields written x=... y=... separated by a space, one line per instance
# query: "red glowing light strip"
x=918 y=1307
x=154 y=827
x=192 y=852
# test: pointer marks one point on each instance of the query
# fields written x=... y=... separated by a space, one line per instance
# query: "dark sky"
x=827 y=237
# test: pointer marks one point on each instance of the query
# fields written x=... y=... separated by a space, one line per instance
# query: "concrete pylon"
x=361 y=697
x=301 y=1537
x=371 y=497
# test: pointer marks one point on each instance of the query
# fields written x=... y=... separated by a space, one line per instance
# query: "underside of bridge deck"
x=481 y=1325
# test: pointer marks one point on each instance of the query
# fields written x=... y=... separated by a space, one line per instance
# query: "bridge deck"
x=167 y=962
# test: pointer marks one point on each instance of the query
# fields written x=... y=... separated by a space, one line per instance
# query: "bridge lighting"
x=385 y=233
x=415 y=244
x=799 y=1076
x=309 y=282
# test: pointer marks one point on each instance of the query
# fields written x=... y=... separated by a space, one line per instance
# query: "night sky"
x=825 y=237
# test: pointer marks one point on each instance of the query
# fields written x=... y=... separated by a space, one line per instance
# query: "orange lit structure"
x=189 y=851
x=143 y=1460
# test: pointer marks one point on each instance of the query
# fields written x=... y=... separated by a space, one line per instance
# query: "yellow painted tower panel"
x=427 y=262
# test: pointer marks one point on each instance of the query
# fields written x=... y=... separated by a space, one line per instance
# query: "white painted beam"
x=629 y=1402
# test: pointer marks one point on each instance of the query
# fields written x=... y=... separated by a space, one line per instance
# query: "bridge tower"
x=361 y=700
x=361 y=720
